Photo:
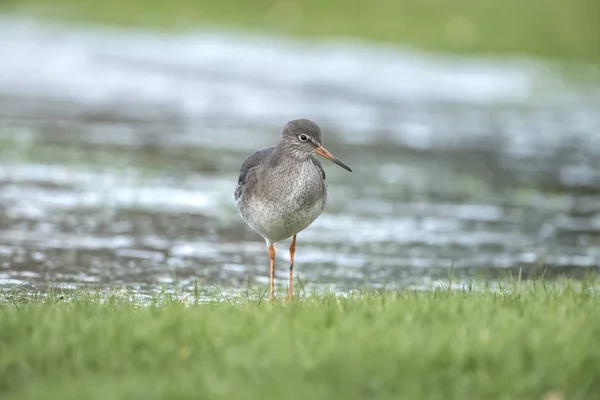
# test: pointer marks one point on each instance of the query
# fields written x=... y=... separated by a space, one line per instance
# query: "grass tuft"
x=514 y=340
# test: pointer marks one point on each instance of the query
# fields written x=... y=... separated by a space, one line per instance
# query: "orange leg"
x=272 y=274
x=292 y=251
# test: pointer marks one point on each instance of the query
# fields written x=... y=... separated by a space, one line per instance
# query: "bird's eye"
x=303 y=138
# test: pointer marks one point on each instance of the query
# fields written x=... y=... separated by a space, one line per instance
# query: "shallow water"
x=120 y=153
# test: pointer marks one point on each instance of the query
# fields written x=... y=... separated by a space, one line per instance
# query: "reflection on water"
x=120 y=152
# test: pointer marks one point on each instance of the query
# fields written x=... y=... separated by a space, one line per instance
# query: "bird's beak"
x=322 y=151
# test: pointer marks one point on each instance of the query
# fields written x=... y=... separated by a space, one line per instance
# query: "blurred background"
x=472 y=127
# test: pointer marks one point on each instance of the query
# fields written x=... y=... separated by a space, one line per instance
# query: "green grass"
x=561 y=29
x=524 y=341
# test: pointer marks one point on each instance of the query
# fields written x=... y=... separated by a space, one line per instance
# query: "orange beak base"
x=323 y=152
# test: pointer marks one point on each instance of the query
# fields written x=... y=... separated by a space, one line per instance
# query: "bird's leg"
x=272 y=273
x=292 y=251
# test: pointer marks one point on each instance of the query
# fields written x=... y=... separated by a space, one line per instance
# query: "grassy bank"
x=534 y=342
x=549 y=28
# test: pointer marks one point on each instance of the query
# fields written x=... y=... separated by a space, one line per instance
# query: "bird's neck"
x=285 y=155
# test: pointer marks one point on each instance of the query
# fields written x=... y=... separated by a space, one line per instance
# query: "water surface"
x=120 y=151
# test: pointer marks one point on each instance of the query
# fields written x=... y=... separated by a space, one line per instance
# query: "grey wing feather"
x=252 y=161
x=318 y=165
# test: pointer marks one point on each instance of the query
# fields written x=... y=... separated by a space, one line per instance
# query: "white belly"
x=275 y=224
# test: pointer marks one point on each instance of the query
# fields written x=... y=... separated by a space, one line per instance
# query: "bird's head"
x=302 y=138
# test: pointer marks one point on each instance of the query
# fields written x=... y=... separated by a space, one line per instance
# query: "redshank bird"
x=281 y=190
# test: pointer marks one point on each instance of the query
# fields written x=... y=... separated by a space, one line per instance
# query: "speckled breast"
x=290 y=206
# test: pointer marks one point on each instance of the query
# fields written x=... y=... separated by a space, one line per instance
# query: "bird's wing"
x=318 y=165
x=248 y=165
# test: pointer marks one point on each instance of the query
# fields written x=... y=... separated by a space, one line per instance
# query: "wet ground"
x=120 y=152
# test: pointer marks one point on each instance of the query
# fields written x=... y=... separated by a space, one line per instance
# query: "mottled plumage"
x=281 y=190
x=254 y=160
